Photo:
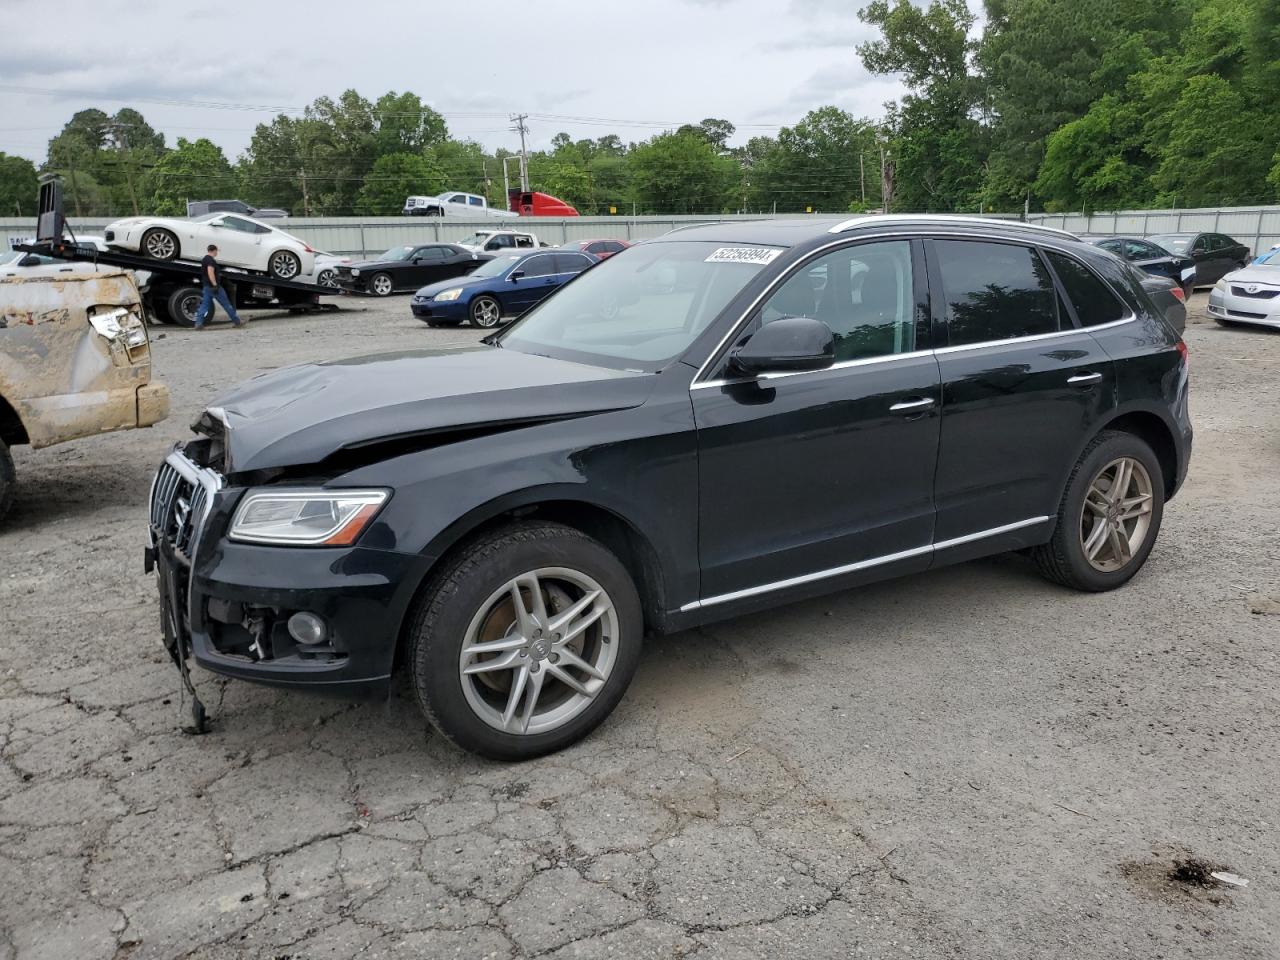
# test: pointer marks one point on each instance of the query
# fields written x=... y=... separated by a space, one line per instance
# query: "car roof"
x=1178 y=233
x=792 y=232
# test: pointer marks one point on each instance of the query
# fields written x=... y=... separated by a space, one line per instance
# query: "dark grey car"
x=1215 y=254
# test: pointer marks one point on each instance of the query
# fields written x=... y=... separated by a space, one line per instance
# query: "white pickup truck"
x=501 y=241
x=455 y=205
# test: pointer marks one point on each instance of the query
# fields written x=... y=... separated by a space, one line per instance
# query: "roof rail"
x=946 y=218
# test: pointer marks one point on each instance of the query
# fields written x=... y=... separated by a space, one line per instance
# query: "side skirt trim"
x=860 y=565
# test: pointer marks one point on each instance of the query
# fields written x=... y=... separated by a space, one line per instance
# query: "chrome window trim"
x=960 y=348
x=860 y=565
x=842 y=365
x=928 y=220
x=909 y=233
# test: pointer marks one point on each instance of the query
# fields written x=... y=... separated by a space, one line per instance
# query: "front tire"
x=1109 y=517
x=8 y=479
x=485 y=312
x=526 y=641
x=284 y=265
x=159 y=244
x=381 y=285
x=327 y=278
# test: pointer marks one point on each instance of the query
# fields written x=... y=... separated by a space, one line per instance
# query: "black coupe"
x=1151 y=258
x=409 y=267
x=1215 y=254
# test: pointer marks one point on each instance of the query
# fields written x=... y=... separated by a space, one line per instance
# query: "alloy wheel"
x=539 y=650
x=1116 y=515
x=486 y=313
x=327 y=278
x=382 y=285
x=283 y=265
x=161 y=245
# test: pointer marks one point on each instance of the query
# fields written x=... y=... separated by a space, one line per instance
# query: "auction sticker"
x=760 y=255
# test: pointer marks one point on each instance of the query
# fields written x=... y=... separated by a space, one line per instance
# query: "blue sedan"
x=506 y=286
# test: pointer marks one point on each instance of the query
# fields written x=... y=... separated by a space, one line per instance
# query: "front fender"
x=638 y=465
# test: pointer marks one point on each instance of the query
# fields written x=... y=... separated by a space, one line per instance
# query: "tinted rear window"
x=1093 y=300
x=995 y=291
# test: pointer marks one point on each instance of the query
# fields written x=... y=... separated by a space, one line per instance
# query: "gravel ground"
x=967 y=763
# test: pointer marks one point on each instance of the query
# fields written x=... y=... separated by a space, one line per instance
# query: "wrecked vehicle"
x=724 y=419
x=75 y=361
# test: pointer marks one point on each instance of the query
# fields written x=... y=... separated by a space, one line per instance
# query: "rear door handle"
x=912 y=406
x=1084 y=379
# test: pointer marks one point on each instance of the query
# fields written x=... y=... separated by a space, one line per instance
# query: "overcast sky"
x=652 y=64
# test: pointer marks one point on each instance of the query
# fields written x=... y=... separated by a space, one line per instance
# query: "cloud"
x=818 y=39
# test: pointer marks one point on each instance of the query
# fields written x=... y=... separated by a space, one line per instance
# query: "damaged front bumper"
x=227 y=605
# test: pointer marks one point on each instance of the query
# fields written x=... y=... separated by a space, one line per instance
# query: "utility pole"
x=306 y=200
x=122 y=148
x=522 y=128
x=862 y=176
x=75 y=190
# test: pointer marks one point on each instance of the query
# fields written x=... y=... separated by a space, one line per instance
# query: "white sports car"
x=241 y=241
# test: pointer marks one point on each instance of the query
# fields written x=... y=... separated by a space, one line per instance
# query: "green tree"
x=936 y=142
x=406 y=124
x=195 y=169
x=18 y=186
x=394 y=177
x=682 y=173
x=821 y=162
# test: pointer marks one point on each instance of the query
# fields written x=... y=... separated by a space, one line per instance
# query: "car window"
x=1146 y=251
x=499 y=242
x=429 y=253
x=1093 y=300
x=1224 y=242
x=614 y=246
x=1113 y=246
x=542 y=266
x=571 y=262
x=1201 y=245
x=241 y=225
x=994 y=291
x=475 y=201
x=458 y=198
x=863 y=293
x=524 y=241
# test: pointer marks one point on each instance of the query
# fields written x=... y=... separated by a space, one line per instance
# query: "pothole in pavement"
x=1180 y=877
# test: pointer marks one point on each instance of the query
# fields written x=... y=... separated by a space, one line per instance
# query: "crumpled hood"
x=302 y=414
x=1267 y=273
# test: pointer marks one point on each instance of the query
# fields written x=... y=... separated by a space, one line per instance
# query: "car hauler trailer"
x=173 y=295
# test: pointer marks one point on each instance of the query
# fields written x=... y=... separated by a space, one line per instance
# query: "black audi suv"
x=724 y=419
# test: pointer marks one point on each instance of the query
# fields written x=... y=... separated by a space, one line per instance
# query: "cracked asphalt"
x=967 y=763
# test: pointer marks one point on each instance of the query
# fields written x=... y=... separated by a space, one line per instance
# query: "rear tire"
x=8 y=479
x=1118 y=537
x=159 y=244
x=471 y=601
x=284 y=265
x=183 y=304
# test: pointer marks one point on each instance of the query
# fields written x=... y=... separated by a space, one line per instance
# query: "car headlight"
x=355 y=272
x=1221 y=285
x=449 y=294
x=330 y=518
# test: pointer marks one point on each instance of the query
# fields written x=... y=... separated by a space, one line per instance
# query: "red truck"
x=529 y=204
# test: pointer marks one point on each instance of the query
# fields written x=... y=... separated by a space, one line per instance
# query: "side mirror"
x=516 y=275
x=786 y=344
x=416 y=260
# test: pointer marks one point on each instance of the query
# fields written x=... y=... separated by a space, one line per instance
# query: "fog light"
x=307 y=628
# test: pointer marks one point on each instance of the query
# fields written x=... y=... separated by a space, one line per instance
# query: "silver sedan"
x=1249 y=296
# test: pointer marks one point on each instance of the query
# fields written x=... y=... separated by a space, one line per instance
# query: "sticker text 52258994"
x=760 y=255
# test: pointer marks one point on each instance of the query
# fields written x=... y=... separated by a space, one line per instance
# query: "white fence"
x=1257 y=227
x=367 y=236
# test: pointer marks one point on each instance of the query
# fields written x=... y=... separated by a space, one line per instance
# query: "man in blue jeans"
x=211 y=280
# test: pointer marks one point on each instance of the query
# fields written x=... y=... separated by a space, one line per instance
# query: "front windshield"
x=397 y=253
x=1173 y=243
x=641 y=311
x=9 y=256
x=495 y=267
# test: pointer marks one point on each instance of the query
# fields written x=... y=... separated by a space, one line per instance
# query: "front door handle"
x=912 y=406
x=1084 y=379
